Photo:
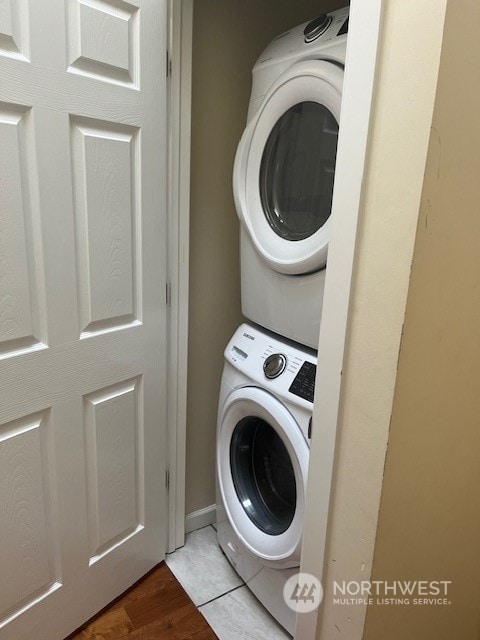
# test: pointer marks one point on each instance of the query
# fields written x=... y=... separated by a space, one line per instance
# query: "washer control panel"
x=274 y=365
x=283 y=367
x=303 y=385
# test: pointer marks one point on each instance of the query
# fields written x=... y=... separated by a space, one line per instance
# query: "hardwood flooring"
x=156 y=608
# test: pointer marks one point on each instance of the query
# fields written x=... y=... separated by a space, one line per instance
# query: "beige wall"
x=228 y=36
x=429 y=526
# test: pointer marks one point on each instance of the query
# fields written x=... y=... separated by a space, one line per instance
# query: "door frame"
x=366 y=292
x=363 y=45
x=179 y=65
x=365 y=40
x=365 y=27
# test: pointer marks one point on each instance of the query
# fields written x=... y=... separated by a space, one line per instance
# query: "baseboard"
x=201 y=518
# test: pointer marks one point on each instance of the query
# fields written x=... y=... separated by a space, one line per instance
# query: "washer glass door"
x=297 y=171
x=263 y=475
x=262 y=462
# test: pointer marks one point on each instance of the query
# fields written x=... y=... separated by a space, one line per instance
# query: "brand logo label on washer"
x=247 y=335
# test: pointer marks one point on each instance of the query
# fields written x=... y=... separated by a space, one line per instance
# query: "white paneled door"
x=82 y=307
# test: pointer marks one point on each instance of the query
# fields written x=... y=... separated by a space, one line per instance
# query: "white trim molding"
x=180 y=57
x=201 y=518
x=384 y=131
x=358 y=92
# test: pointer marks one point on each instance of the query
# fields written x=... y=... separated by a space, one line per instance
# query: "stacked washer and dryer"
x=283 y=187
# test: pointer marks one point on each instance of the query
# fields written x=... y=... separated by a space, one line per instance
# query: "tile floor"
x=229 y=607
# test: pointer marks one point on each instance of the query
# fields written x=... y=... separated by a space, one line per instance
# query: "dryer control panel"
x=307 y=38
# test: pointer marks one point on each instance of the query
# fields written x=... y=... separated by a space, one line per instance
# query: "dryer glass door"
x=285 y=168
x=298 y=169
x=263 y=475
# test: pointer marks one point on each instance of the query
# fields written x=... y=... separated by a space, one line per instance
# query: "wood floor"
x=157 y=608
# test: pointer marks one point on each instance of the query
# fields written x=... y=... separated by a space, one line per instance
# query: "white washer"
x=264 y=418
x=284 y=173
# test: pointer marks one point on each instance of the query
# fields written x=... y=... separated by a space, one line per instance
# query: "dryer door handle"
x=310 y=426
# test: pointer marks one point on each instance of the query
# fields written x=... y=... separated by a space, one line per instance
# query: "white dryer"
x=284 y=173
x=264 y=422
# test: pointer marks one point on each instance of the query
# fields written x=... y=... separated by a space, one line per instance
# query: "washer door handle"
x=310 y=425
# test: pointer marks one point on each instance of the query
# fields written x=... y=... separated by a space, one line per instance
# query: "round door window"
x=263 y=475
x=298 y=169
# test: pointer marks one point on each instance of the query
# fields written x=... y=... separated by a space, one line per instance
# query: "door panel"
x=104 y=160
x=103 y=40
x=28 y=550
x=13 y=27
x=115 y=492
x=20 y=322
x=82 y=307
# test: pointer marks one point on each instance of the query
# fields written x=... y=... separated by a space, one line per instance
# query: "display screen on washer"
x=304 y=383
x=263 y=475
x=298 y=170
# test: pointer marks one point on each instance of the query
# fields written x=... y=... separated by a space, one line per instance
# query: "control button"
x=316 y=27
x=274 y=365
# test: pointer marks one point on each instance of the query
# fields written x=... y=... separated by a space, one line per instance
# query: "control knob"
x=316 y=27
x=274 y=365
